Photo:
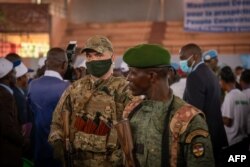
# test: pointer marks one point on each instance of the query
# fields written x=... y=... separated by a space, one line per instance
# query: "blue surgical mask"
x=184 y=65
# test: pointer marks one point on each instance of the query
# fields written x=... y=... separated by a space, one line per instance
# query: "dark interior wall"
x=124 y=10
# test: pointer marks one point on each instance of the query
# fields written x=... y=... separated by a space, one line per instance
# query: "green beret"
x=147 y=56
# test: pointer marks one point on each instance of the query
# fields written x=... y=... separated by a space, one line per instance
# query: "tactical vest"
x=94 y=111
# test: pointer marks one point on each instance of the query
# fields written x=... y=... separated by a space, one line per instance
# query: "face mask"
x=184 y=65
x=98 y=68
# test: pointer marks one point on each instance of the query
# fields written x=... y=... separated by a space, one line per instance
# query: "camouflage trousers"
x=92 y=159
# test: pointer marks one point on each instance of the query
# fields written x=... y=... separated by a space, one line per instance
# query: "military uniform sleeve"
x=197 y=147
x=122 y=97
x=56 y=127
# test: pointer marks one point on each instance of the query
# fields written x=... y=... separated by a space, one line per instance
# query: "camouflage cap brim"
x=98 y=43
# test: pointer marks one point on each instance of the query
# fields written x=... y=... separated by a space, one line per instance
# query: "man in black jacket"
x=203 y=91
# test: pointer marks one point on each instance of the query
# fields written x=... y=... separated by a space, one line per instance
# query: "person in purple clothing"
x=43 y=96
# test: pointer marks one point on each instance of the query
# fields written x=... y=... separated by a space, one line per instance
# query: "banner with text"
x=217 y=15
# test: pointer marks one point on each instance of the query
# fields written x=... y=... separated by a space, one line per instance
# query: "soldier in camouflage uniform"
x=166 y=131
x=92 y=104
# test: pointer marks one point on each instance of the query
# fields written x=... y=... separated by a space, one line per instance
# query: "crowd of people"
x=190 y=113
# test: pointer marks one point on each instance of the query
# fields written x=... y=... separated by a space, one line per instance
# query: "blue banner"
x=217 y=15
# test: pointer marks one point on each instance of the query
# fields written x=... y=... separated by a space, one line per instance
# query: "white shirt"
x=235 y=107
x=179 y=87
x=51 y=73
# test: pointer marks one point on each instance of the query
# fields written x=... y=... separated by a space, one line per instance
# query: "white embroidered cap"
x=21 y=69
x=5 y=67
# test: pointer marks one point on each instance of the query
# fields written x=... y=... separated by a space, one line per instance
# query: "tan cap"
x=98 y=43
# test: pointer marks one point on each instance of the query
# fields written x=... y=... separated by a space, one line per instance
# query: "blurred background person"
x=210 y=57
x=25 y=115
x=12 y=57
x=11 y=139
x=124 y=69
x=117 y=70
x=235 y=109
x=245 y=84
x=237 y=71
x=43 y=95
x=179 y=85
x=80 y=69
x=173 y=76
x=203 y=91
x=20 y=87
x=41 y=67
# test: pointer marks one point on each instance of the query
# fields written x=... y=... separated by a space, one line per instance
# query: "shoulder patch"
x=198 y=149
x=199 y=132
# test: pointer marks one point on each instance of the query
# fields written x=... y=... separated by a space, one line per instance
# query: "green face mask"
x=98 y=68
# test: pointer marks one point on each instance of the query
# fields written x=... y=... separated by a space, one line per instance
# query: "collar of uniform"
x=171 y=97
x=148 y=105
x=7 y=88
x=96 y=82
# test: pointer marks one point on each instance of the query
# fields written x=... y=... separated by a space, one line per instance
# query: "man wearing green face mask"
x=87 y=109
x=99 y=56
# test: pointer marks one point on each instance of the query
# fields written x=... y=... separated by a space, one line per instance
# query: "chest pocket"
x=98 y=112
x=103 y=103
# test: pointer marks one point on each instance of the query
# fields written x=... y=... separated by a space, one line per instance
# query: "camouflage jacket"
x=93 y=106
x=148 y=125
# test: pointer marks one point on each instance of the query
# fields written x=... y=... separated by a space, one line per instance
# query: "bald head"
x=56 y=60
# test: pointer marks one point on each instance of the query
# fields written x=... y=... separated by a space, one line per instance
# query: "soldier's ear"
x=113 y=58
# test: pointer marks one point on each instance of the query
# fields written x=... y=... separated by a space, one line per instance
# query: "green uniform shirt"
x=147 y=126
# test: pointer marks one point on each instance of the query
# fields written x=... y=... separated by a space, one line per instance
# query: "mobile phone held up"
x=70 y=51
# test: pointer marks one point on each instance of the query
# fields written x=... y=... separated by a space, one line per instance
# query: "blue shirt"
x=43 y=96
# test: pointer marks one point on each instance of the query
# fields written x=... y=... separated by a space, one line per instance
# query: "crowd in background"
x=27 y=102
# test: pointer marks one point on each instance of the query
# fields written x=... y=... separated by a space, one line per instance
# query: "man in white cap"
x=22 y=76
x=11 y=140
x=210 y=58
x=20 y=94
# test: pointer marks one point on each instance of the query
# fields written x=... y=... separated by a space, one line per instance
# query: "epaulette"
x=182 y=117
x=178 y=126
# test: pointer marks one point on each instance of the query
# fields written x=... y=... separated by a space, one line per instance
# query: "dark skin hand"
x=227 y=121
